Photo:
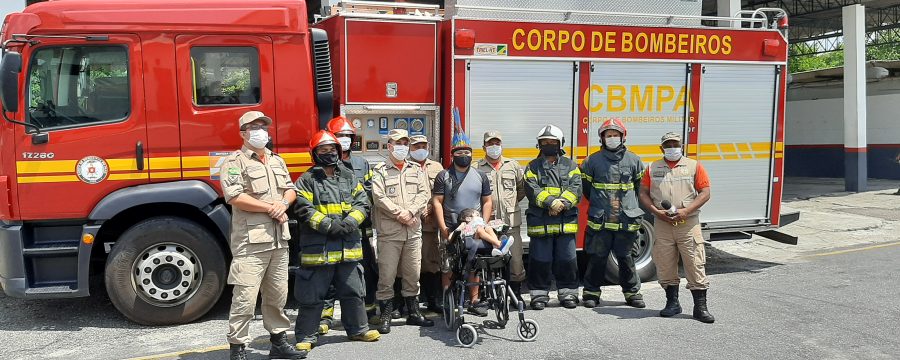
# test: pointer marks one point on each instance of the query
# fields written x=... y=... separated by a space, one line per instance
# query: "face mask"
x=550 y=150
x=672 y=154
x=462 y=161
x=613 y=143
x=345 y=143
x=419 y=155
x=258 y=138
x=327 y=159
x=400 y=152
x=494 y=151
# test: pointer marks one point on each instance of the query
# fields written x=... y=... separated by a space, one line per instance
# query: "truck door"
x=219 y=78
x=88 y=96
x=736 y=142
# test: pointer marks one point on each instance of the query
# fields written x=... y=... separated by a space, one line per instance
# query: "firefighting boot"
x=569 y=301
x=387 y=307
x=635 y=300
x=590 y=299
x=372 y=314
x=238 y=352
x=368 y=336
x=282 y=350
x=672 y=306
x=416 y=318
x=700 y=311
x=539 y=302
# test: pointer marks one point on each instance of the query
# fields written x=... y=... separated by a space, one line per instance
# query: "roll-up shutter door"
x=735 y=142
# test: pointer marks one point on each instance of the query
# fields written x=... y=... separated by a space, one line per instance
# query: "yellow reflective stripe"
x=308 y=195
x=634 y=227
x=369 y=175
x=640 y=175
x=353 y=254
x=542 y=197
x=613 y=226
x=553 y=229
x=611 y=187
x=530 y=175
x=316 y=220
x=312 y=259
x=576 y=172
x=357 y=189
x=568 y=195
x=570 y=228
x=536 y=230
x=335 y=256
x=587 y=177
x=333 y=209
x=358 y=216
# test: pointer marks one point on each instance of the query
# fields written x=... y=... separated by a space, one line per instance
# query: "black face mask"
x=462 y=161
x=327 y=159
x=550 y=150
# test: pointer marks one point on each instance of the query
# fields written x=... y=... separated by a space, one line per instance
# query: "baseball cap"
x=492 y=135
x=415 y=139
x=397 y=134
x=670 y=136
x=251 y=116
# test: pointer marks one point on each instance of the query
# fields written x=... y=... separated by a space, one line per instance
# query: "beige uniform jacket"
x=243 y=172
x=508 y=188
x=395 y=190
x=432 y=169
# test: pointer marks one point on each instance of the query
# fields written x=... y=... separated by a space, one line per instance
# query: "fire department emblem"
x=92 y=169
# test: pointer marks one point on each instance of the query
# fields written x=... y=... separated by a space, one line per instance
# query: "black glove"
x=336 y=228
x=350 y=224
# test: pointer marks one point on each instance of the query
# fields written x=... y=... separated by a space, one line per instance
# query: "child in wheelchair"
x=480 y=237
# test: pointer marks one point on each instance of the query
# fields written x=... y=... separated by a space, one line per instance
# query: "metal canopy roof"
x=819 y=21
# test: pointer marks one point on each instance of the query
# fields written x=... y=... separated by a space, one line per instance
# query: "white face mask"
x=419 y=155
x=672 y=154
x=345 y=143
x=494 y=151
x=613 y=143
x=258 y=138
x=400 y=152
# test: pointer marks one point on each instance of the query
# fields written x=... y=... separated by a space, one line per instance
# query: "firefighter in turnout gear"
x=400 y=192
x=508 y=187
x=430 y=277
x=553 y=187
x=611 y=179
x=331 y=206
x=674 y=188
x=257 y=185
x=345 y=132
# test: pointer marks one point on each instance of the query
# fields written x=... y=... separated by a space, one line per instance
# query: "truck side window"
x=70 y=86
x=225 y=75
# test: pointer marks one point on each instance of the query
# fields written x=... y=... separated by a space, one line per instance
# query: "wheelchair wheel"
x=528 y=330
x=466 y=335
x=501 y=307
x=450 y=310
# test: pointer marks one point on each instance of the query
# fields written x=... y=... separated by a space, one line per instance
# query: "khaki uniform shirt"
x=243 y=172
x=508 y=186
x=395 y=190
x=432 y=169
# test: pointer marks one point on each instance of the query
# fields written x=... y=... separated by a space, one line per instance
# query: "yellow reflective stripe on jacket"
x=335 y=256
x=610 y=187
x=334 y=209
x=570 y=196
x=308 y=195
x=353 y=254
x=316 y=220
x=369 y=175
x=530 y=174
x=576 y=172
x=357 y=215
x=587 y=177
x=332 y=257
x=312 y=259
x=613 y=226
x=547 y=192
x=359 y=188
x=553 y=229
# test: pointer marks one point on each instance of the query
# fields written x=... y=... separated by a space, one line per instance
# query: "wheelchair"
x=494 y=289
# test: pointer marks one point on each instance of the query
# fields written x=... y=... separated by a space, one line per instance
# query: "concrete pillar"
x=727 y=8
x=855 y=147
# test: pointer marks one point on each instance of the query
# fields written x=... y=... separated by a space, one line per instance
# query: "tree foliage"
x=887 y=48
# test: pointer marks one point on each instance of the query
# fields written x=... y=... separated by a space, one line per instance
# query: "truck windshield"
x=72 y=86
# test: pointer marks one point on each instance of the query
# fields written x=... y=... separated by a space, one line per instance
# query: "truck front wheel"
x=165 y=270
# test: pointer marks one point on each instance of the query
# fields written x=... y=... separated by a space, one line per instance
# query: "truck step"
x=52 y=249
x=56 y=289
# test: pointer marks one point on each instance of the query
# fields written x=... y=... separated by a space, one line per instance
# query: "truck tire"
x=643 y=262
x=164 y=271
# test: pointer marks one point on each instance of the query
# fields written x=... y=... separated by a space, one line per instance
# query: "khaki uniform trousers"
x=265 y=272
x=399 y=258
x=684 y=240
x=431 y=252
x=516 y=264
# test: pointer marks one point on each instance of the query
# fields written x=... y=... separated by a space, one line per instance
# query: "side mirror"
x=10 y=68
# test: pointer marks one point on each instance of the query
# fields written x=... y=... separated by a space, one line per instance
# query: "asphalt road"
x=837 y=305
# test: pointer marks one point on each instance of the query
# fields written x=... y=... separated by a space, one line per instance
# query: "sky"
x=8 y=6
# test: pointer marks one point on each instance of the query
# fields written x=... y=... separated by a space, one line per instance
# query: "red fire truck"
x=118 y=113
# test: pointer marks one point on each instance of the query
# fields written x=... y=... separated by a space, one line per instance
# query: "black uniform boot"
x=416 y=318
x=237 y=352
x=635 y=300
x=387 y=308
x=282 y=350
x=700 y=311
x=672 y=306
